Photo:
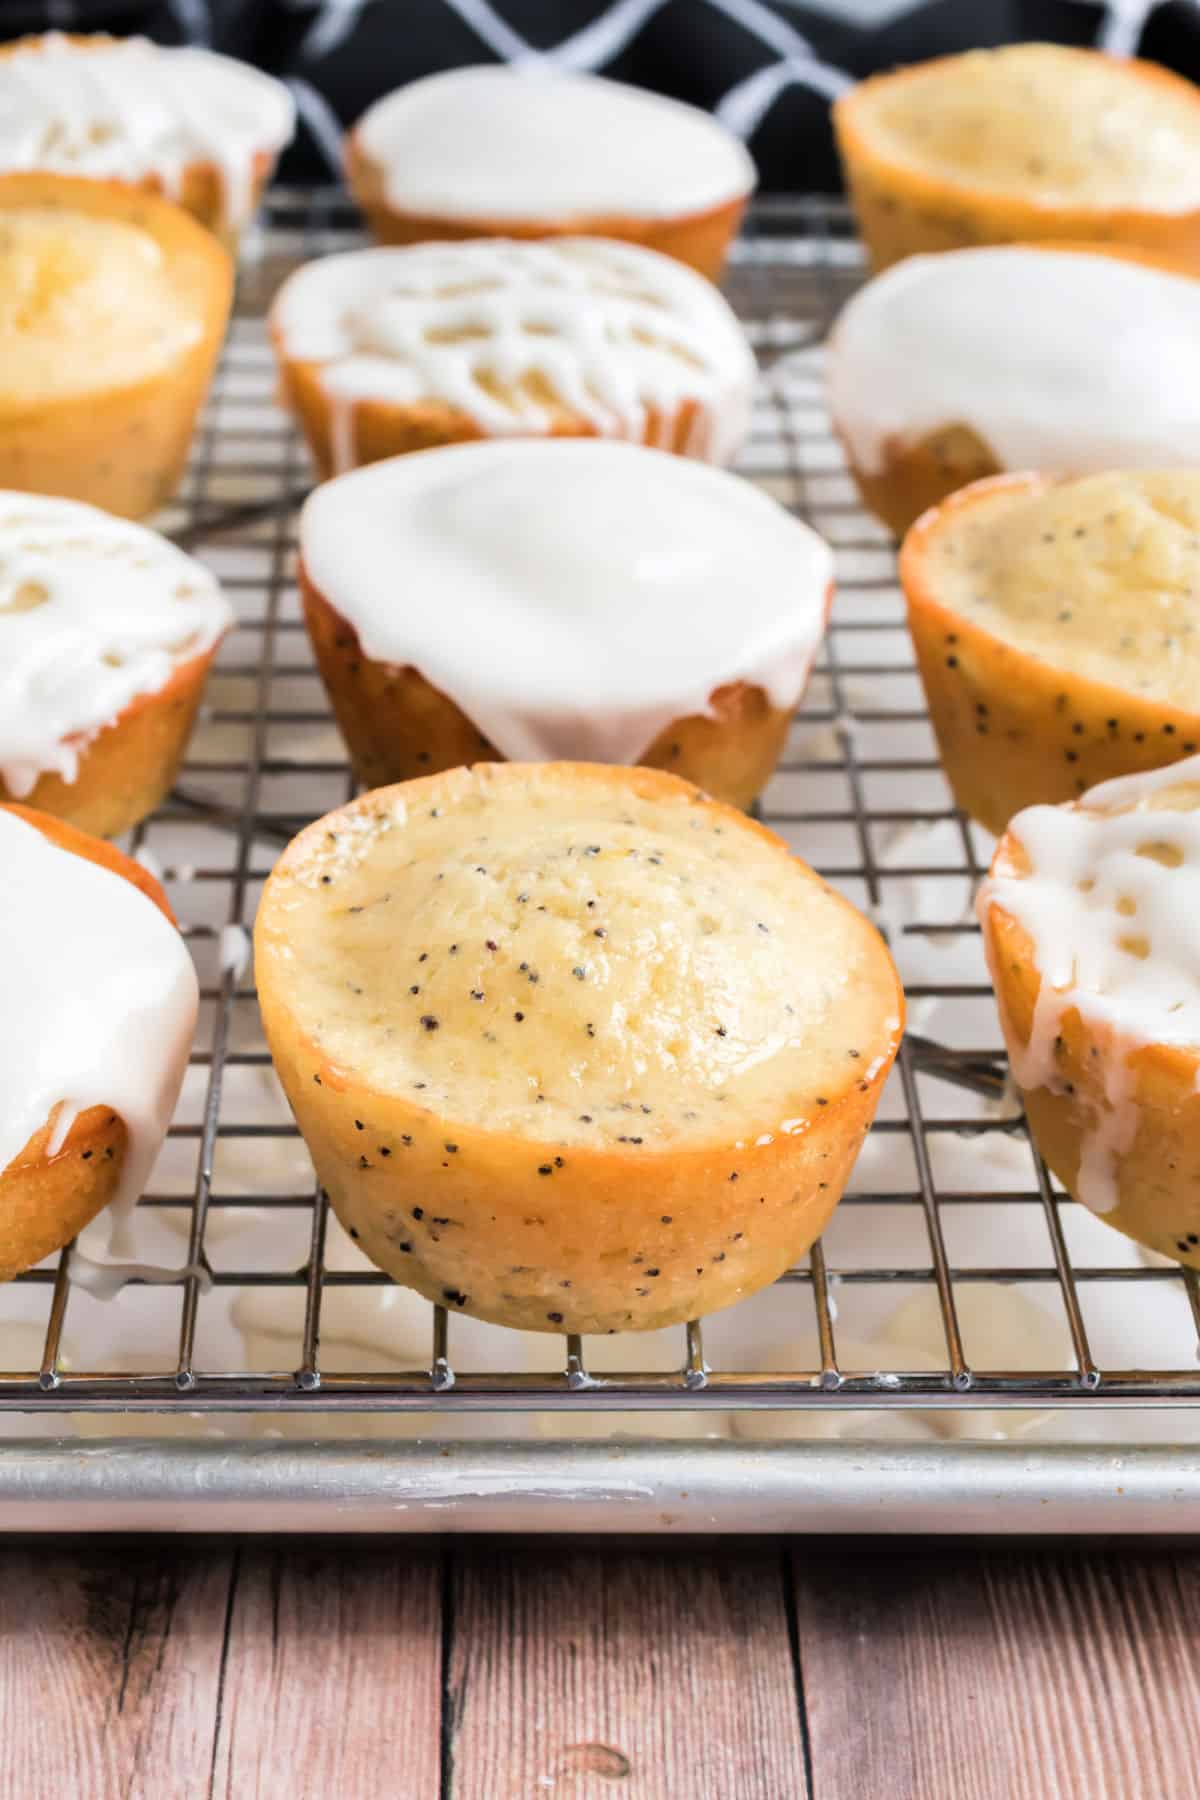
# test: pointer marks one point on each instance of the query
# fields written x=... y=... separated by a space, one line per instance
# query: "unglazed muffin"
x=535 y=153
x=113 y=304
x=204 y=130
x=107 y=632
x=1091 y=920
x=1071 y=359
x=561 y=600
x=1028 y=141
x=388 y=350
x=1057 y=631
x=573 y=1048
x=99 y=1008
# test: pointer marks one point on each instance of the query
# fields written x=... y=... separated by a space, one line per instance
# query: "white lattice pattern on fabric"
x=795 y=62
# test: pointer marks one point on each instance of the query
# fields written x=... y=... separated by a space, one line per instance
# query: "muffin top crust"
x=1059 y=125
x=1059 y=359
x=1106 y=892
x=1108 y=889
x=500 y=143
x=576 y=955
x=86 y=304
x=573 y=597
x=1099 y=575
x=99 y=999
x=126 y=109
x=94 y=611
x=524 y=337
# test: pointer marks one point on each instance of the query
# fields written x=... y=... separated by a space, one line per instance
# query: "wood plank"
x=332 y=1674
x=109 y=1669
x=960 y=1674
x=656 y=1676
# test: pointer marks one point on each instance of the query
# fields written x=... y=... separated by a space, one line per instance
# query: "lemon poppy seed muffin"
x=388 y=350
x=1068 y=358
x=562 y=600
x=113 y=304
x=1023 y=142
x=202 y=129
x=1091 y=921
x=107 y=633
x=537 y=152
x=573 y=1048
x=99 y=1007
x=1057 y=632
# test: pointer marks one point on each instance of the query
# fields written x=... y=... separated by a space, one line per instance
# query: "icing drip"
x=104 y=1281
x=1111 y=904
x=573 y=598
x=127 y=109
x=234 y=951
x=101 y=1016
x=511 y=334
x=534 y=143
x=93 y=612
x=1060 y=361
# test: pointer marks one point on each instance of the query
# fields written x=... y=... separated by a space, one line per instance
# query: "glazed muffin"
x=202 y=129
x=388 y=350
x=113 y=304
x=1090 y=923
x=107 y=633
x=536 y=153
x=573 y=1048
x=1071 y=359
x=100 y=1003
x=1057 y=631
x=1031 y=141
x=574 y=600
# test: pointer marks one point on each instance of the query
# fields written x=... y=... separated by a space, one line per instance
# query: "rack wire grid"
x=980 y=1282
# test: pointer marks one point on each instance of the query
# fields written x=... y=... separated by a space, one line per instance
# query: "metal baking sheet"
x=965 y=1350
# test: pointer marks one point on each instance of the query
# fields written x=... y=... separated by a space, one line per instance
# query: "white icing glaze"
x=1116 y=937
x=610 y=331
x=534 y=143
x=573 y=598
x=105 y=1280
x=234 y=950
x=1059 y=361
x=93 y=612
x=127 y=109
x=98 y=1001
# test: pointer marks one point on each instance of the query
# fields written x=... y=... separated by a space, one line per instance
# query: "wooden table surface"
x=720 y=1671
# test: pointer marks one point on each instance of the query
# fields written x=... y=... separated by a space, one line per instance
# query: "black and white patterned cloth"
x=768 y=68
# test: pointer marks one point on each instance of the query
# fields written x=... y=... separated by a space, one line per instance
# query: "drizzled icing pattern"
x=127 y=109
x=1062 y=361
x=93 y=612
x=1111 y=904
x=572 y=598
x=512 y=334
x=101 y=1016
x=535 y=143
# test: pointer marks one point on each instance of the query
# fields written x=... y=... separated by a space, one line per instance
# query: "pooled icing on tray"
x=509 y=333
x=94 y=611
x=98 y=1002
x=125 y=109
x=1059 y=360
x=534 y=143
x=572 y=598
x=1111 y=904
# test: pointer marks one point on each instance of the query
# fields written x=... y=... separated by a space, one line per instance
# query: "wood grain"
x=109 y=1669
x=593 y=1674
x=1019 y=1675
x=332 y=1675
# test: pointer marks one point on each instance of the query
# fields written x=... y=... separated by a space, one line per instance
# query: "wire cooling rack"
x=954 y=1275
